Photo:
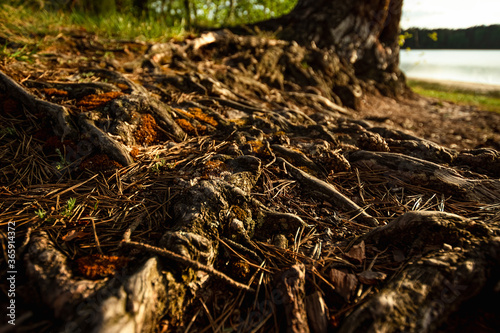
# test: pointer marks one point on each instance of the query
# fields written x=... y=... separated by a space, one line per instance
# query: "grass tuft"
x=22 y=28
x=488 y=100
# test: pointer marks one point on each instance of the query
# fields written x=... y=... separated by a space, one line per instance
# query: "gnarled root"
x=453 y=259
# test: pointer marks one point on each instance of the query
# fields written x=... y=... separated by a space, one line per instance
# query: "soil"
x=448 y=124
x=185 y=183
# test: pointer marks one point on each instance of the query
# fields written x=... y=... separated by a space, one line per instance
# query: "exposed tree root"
x=424 y=173
x=126 y=303
x=453 y=260
x=58 y=114
x=328 y=192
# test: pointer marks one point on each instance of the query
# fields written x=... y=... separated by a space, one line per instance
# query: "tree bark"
x=187 y=10
x=365 y=33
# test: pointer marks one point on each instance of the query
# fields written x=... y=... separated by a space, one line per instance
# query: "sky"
x=452 y=14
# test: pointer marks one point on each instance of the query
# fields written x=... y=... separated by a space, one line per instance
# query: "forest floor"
x=86 y=199
x=449 y=124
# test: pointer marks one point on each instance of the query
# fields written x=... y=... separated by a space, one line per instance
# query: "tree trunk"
x=230 y=12
x=187 y=10
x=365 y=33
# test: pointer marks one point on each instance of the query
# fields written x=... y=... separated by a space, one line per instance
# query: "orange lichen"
x=200 y=116
x=122 y=86
x=94 y=101
x=54 y=92
x=98 y=266
x=99 y=163
x=148 y=131
x=134 y=152
x=214 y=168
x=258 y=147
x=201 y=129
x=239 y=213
x=189 y=128
x=186 y=126
x=184 y=113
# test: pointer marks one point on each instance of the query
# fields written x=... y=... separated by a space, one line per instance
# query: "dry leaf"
x=344 y=283
x=73 y=234
x=370 y=277
x=357 y=253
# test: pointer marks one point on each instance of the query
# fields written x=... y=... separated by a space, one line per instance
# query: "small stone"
x=237 y=225
x=280 y=241
x=447 y=247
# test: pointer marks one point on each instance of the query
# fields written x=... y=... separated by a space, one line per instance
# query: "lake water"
x=480 y=66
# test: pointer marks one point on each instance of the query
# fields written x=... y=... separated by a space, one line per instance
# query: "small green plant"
x=108 y=55
x=8 y=131
x=20 y=54
x=41 y=213
x=87 y=75
x=70 y=205
x=156 y=167
x=160 y=164
x=63 y=163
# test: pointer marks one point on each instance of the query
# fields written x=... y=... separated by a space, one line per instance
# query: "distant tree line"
x=481 y=37
x=175 y=12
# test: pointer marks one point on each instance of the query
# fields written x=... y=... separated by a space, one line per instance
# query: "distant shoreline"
x=480 y=38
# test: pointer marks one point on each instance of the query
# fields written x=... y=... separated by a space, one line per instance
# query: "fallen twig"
x=188 y=262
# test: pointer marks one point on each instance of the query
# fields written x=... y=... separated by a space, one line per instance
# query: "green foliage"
x=25 y=26
x=7 y=131
x=23 y=53
x=404 y=37
x=127 y=26
x=68 y=209
x=63 y=163
x=178 y=13
x=41 y=213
